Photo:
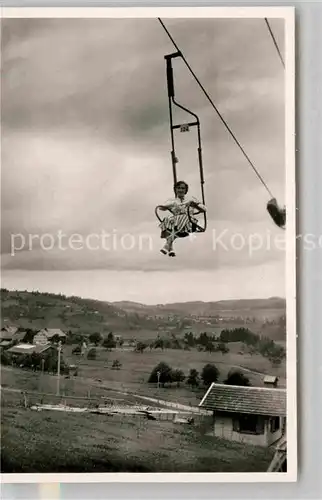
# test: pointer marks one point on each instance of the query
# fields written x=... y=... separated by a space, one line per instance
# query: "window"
x=274 y=424
x=248 y=424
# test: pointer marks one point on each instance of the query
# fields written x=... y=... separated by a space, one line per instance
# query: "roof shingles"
x=249 y=400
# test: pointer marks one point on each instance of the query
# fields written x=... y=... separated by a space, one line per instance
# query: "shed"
x=254 y=415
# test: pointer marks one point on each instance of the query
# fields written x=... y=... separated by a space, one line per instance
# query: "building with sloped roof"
x=252 y=415
x=270 y=380
x=49 y=334
x=10 y=336
x=28 y=349
x=7 y=332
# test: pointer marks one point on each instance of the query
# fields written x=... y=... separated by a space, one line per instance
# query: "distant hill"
x=265 y=308
x=38 y=310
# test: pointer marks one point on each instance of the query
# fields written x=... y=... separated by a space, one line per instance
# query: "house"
x=253 y=415
x=10 y=336
x=29 y=349
x=8 y=330
x=21 y=354
x=270 y=381
x=40 y=338
x=49 y=335
x=22 y=350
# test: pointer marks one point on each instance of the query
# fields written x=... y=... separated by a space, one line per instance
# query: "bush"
x=77 y=350
x=91 y=353
x=165 y=374
x=177 y=376
x=116 y=365
x=193 y=378
x=95 y=338
x=209 y=374
x=140 y=347
x=109 y=342
x=235 y=377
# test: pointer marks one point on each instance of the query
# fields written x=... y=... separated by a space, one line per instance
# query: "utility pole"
x=42 y=375
x=158 y=375
x=58 y=368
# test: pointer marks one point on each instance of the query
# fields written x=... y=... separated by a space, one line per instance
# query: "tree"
x=239 y=335
x=77 y=350
x=29 y=337
x=165 y=374
x=210 y=347
x=35 y=360
x=50 y=363
x=236 y=377
x=209 y=374
x=95 y=338
x=109 y=342
x=116 y=364
x=193 y=378
x=203 y=339
x=222 y=348
x=159 y=344
x=55 y=339
x=177 y=376
x=140 y=347
x=91 y=353
x=5 y=358
x=189 y=339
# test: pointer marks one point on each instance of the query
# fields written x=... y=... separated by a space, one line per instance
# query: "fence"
x=43 y=401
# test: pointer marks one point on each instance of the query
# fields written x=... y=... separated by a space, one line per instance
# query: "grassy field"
x=96 y=377
x=77 y=391
x=58 y=442
x=137 y=367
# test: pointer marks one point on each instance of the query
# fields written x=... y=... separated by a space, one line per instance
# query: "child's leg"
x=168 y=247
x=170 y=241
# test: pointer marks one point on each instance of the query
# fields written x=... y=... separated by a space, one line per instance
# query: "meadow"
x=96 y=377
x=59 y=442
x=136 y=368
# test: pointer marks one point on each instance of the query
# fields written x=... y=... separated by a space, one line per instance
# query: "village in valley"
x=108 y=387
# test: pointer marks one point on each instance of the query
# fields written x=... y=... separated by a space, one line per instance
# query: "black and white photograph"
x=148 y=244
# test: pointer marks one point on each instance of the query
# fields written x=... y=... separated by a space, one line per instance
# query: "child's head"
x=181 y=188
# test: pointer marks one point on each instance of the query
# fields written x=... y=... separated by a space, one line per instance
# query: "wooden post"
x=25 y=400
x=58 y=368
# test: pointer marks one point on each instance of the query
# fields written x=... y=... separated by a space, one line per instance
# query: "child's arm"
x=167 y=205
x=194 y=203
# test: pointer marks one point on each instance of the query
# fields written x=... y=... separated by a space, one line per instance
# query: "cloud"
x=86 y=143
x=157 y=287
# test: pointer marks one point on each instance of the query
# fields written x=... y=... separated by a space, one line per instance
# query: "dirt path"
x=163 y=402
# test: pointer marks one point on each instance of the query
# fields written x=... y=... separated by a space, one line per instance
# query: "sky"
x=86 y=152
